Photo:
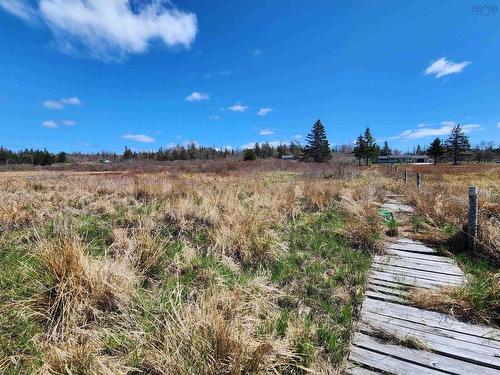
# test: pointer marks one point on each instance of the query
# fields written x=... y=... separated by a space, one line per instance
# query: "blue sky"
x=92 y=75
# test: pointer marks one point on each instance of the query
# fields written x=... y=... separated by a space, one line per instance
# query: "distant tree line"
x=455 y=148
x=189 y=152
x=35 y=157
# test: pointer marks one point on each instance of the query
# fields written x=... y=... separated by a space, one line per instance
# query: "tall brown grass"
x=442 y=202
x=111 y=309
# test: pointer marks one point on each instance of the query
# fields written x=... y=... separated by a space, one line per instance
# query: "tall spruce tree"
x=386 y=151
x=457 y=145
x=359 y=149
x=318 y=148
x=436 y=150
x=372 y=150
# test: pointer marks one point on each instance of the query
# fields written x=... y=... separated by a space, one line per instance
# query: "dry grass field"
x=228 y=270
x=177 y=272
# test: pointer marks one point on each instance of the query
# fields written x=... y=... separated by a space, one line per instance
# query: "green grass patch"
x=323 y=272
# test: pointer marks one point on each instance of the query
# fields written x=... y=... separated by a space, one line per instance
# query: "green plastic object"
x=386 y=214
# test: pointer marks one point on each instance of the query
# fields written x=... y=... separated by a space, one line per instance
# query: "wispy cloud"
x=238 y=108
x=443 y=67
x=256 y=52
x=139 y=138
x=109 y=29
x=214 y=117
x=427 y=131
x=50 y=124
x=59 y=104
x=20 y=9
x=266 y=131
x=498 y=125
x=69 y=122
x=264 y=111
x=197 y=97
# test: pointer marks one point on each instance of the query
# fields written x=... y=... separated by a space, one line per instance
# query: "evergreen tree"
x=61 y=157
x=249 y=154
x=359 y=149
x=318 y=148
x=257 y=150
x=372 y=150
x=457 y=145
x=386 y=151
x=419 y=150
x=436 y=150
x=127 y=154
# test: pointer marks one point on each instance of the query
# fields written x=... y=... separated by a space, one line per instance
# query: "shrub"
x=249 y=154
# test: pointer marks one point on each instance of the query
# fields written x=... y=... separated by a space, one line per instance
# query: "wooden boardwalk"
x=450 y=346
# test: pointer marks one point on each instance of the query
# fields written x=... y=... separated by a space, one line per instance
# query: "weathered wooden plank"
x=389 y=364
x=413 y=283
x=430 y=318
x=414 y=248
x=354 y=369
x=408 y=281
x=407 y=254
x=385 y=297
x=369 y=317
x=465 y=351
x=397 y=207
x=425 y=358
x=411 y=273
x=388 y=290
x=388 y=284
x=444 y=268
x=407 y=240
x=402 y=265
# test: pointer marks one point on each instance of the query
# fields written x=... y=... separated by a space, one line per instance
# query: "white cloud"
x=71 y=100
x=139 y=138
x=52 y=104
x=19 y=9
x=214 y=117
x=256 y=52
x=59 y=104
x=498 y=125
x=444 y=67
x=69 y=122
x=248 y=145
x=264 y=111
x=297 y=137
x=49 y=124
x=110 y=29
x=266 y=131
x=197 y=97
x=238 y=108
x=446 y=126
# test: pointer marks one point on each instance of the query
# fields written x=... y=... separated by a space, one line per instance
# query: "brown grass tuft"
x=80 y=290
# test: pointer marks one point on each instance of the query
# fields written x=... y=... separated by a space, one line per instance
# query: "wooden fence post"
x=473 y=217
x=406 y=175
x=418 y=180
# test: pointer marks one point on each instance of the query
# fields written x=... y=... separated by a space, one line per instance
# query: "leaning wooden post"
x=418 y=181
x=473 y=217
x=406 y=175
